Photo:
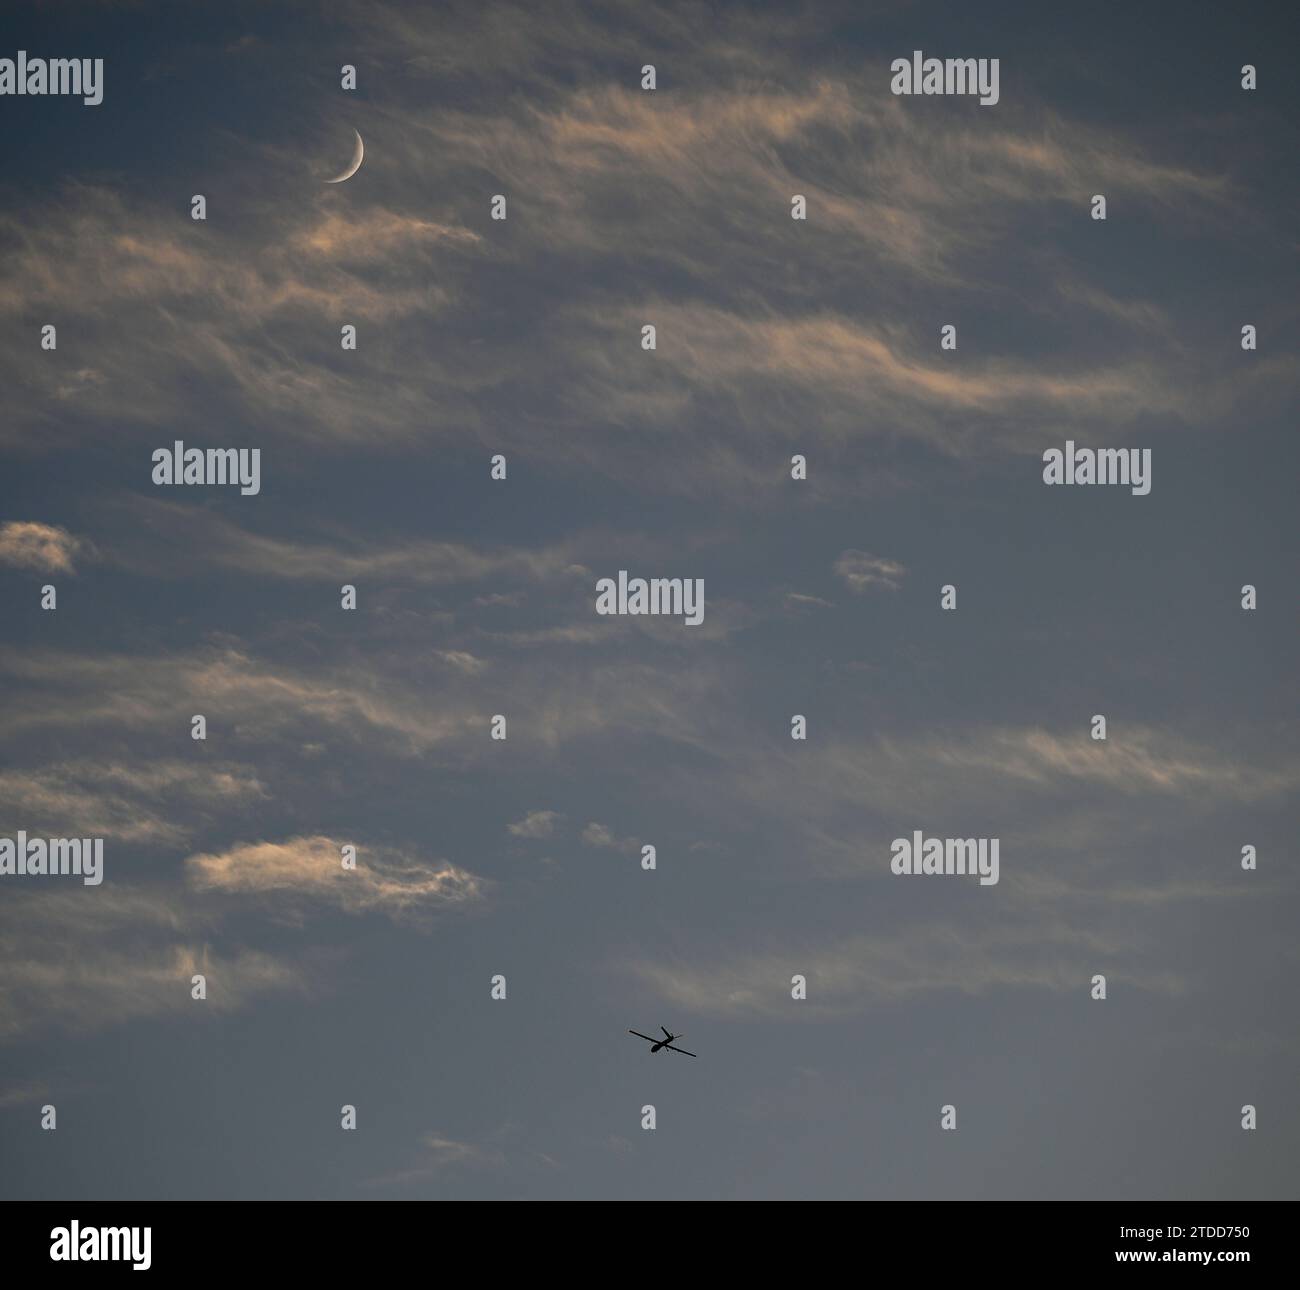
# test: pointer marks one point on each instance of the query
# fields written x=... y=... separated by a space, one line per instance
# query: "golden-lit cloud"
x=46 y=548
x=304 y=871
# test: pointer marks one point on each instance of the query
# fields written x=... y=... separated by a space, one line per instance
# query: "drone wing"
x=683 y=1051
x=639 y=1035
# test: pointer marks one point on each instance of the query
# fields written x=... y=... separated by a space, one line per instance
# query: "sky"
x=476 y=597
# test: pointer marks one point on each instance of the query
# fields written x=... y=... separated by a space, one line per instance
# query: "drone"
x=665 y=1042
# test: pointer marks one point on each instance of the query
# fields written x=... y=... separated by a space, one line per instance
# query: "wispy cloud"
x=861 y=571
x=126 y=268
x=126 y=953
x=438 y=1153
x=856 y=973
x=295 y=875
x=405 y=711
x=172 y=538
x=602 y=837
x=161 y=802
x=23 y=1093
x=900 y=202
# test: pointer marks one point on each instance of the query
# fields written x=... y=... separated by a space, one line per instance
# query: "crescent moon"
x=354 y=165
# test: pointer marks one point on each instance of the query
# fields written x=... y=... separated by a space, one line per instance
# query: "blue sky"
x=477 y=597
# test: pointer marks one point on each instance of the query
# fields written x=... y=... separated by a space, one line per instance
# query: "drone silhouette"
x=666 y=1042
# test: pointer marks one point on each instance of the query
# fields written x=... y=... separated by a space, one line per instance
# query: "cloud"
x=46 y=548
x=397 y=702
x=445 y=1151
x=100 y=986
x=908 y=210
x=160 y=802
x=1015 y=774
x=304 y=872
x=260 y=699
x=25 y=1093
x=88 y=959
x=84 y=959
x=536 y=824
x=462 y=661
x=861 y=571
x=344 y=238
x=172 y=538
x=603 y=837
x=857 y=973
x=437 y=1153
x=1071 y=804
x=1139 y=761
x=758 y=362
x=262 y=297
